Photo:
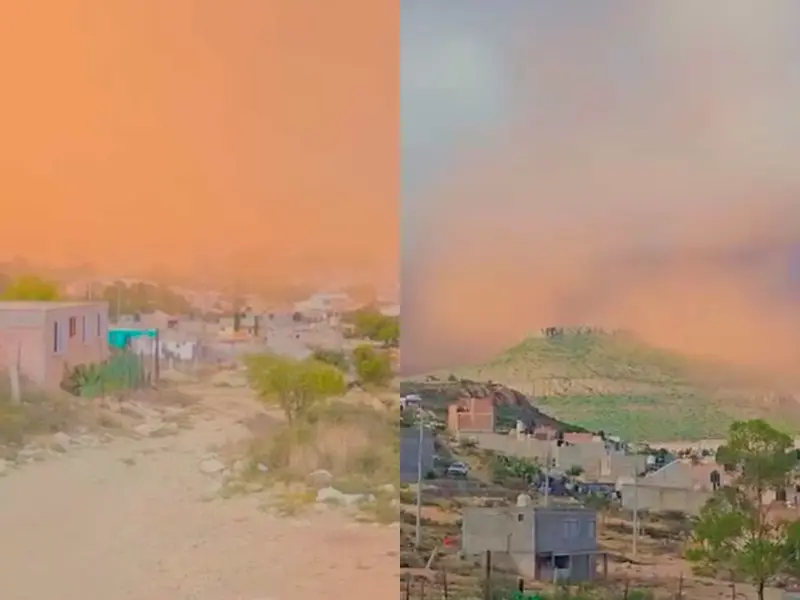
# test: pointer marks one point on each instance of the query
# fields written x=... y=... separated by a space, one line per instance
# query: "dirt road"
x=132 y=520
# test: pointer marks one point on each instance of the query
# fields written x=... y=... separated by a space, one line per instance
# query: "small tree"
x=575 y=471
x=734 y=532
x=388 y=332
x=296 y=386
x=335 y=358
x=30 y=288
x=372 y=366
x=599 y=502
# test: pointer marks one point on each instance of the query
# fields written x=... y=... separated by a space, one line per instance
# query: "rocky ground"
x=136 y=511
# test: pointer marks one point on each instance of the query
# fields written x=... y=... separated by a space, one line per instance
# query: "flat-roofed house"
x=47 y=338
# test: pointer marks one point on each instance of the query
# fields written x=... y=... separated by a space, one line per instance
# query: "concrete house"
x=47 y=338
x=544 y=543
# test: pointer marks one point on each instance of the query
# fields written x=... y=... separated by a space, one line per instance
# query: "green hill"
x=614 y=383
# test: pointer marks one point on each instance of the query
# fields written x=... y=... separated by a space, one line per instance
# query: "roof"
x=45 y=306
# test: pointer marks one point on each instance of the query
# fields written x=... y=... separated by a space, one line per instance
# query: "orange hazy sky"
x=138 y=133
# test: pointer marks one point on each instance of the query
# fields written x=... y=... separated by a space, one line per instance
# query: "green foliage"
x=335 y=358
x=30 y=288
x=734 y=532
x=371 y=324
x=144 y=298
x=617 y=384
x=296 y=386
x=575 y=471
x=372 y=366
x=507 y=467
x=123 y=370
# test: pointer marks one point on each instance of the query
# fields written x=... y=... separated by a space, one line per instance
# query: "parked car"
x=457 y=469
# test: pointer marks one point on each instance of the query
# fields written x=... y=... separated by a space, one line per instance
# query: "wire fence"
x=443 y=585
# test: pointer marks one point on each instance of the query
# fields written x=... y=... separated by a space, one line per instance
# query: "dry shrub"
x=40 y=412
x=358 y=445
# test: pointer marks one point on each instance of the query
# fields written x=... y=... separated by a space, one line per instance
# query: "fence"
x=442 y=585
x=123 y=370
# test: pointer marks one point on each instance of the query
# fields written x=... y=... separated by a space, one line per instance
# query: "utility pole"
x=418 y=529
x=635 y=512
x=547 y=476
x=119 y=301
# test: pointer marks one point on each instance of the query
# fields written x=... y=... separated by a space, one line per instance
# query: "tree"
x=373 y=325
x=734 y=531
x=371 y=365
x=575 y=471
x=143 y=297
x=335 y=358
x=295 y=386
x=388 y=332
x=30 y=288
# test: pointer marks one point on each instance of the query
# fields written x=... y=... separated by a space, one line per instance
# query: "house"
x=250 y=324
x=471 y=415
x=47 y=338
x=539 y=542
x=410 y=447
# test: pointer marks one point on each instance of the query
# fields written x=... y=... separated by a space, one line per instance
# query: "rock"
x=388 y=489
x=320 y=478
x=61 y=442
x=134 y=409
x=31 y=454
x=169 y=428
x=253 y=487
x=262 y=468
x=149 y=428
x=211 y=466
x=88 y=441
x=331 y=495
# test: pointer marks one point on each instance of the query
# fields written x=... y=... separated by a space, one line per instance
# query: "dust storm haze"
x=250 y=138
x=634 y=167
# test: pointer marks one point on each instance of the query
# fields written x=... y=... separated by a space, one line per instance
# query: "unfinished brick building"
x=471 y=415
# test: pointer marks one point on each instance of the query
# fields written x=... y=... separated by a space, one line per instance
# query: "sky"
x=622 y=164
x=247 y=138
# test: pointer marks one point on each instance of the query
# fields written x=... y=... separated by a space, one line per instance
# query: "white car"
x=457 y=469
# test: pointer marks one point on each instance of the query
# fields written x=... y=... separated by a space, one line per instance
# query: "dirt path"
x=132 y=521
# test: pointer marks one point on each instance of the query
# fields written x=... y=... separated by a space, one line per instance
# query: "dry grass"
x=357 y=445
x=41 y=413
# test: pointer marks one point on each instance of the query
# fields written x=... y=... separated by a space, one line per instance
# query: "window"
x=73 y=327
x=592 y=532
x=98 y=325
x=58 y=338
x=83 y=328
x=571 y=529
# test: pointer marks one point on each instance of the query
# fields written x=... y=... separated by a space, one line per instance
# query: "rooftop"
x=44 y=306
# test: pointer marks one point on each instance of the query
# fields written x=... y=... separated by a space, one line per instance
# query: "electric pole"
x=418 y=529
x=635 y=512
x=547 y=475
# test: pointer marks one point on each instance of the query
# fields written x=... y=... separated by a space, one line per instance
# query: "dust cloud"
x=657 y=192
x=244 y=139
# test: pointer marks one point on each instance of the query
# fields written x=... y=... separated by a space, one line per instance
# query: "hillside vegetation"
x=614 y=383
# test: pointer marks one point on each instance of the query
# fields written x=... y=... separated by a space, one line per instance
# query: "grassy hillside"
x=619 y=385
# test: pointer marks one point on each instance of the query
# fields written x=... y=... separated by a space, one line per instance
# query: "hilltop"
x=510 y=404
x=618 y=384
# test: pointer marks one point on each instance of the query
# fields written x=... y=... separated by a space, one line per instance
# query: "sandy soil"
x=133 y=521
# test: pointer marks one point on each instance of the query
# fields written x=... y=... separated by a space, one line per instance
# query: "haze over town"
x=630 y=167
